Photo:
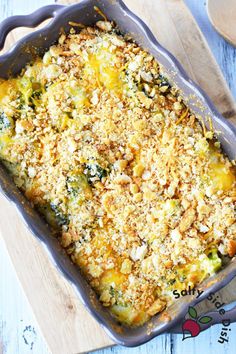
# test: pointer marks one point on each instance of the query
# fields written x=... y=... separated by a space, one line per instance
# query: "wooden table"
x=18 y=330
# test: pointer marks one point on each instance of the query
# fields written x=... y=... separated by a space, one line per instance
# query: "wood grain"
x=66 y=326
x=222 y=15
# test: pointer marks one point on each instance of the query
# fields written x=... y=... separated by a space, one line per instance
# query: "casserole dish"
x=122 y=335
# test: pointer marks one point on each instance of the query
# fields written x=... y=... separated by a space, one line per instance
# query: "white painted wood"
x=222 y=15
x=13 y=305
x=19 y=332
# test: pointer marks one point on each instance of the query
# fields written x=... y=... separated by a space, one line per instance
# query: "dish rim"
x=58 y=11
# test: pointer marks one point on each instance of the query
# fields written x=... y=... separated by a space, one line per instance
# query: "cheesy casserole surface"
x=137 y=190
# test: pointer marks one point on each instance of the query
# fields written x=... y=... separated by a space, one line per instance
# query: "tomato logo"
x=191 y=326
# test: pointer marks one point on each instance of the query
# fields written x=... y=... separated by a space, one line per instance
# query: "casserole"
x=224 y=142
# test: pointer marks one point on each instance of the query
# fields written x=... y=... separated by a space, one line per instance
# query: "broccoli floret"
x=163 y=82
x=30 y=91
x=37 y=93
x=182 y=278
x=53 y=215
x=95 y=172
x=215 y=260
x=25 y=87
x=5 y=122
x=76 y=184
x=61 y=219
x=78 y=188
x=171 y=282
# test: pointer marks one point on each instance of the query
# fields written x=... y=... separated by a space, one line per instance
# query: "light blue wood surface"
x=19 y=333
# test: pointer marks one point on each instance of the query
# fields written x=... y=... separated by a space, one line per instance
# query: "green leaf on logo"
x=205 y=319
x=192 y=312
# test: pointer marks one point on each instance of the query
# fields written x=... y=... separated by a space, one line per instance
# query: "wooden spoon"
x=222 y=14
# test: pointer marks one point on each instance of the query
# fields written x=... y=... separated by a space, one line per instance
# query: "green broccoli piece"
x=78 y=188
x=163 y=83
x=215 y=260
x=95 y=172
x=5 y=122
x=60 y=218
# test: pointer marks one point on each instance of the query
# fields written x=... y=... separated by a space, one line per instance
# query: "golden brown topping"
x=232 y=248
x=136 y=188
x=187 y=219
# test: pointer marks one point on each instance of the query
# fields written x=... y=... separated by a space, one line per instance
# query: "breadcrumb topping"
x=141 y=196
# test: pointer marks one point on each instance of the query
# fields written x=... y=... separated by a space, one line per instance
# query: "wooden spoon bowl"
x=222 y=14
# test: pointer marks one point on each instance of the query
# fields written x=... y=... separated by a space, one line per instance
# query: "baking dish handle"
x=217 y=317
x=31 y=20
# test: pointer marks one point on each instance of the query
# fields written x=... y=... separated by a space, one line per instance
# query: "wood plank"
x=65 y=324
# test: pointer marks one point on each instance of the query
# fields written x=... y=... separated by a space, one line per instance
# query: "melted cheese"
x=100 y=64
x=222 y=178
x=112 y=277
x=5 y=89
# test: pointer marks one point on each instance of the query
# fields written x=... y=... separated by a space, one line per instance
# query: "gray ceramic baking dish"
x=24 y=51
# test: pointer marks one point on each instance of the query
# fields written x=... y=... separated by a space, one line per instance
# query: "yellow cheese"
x=100 y=64
x=6 y=87
x=112 y=277
x=222 y=177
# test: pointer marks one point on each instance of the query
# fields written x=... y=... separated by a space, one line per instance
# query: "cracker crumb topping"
x=104 y=146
